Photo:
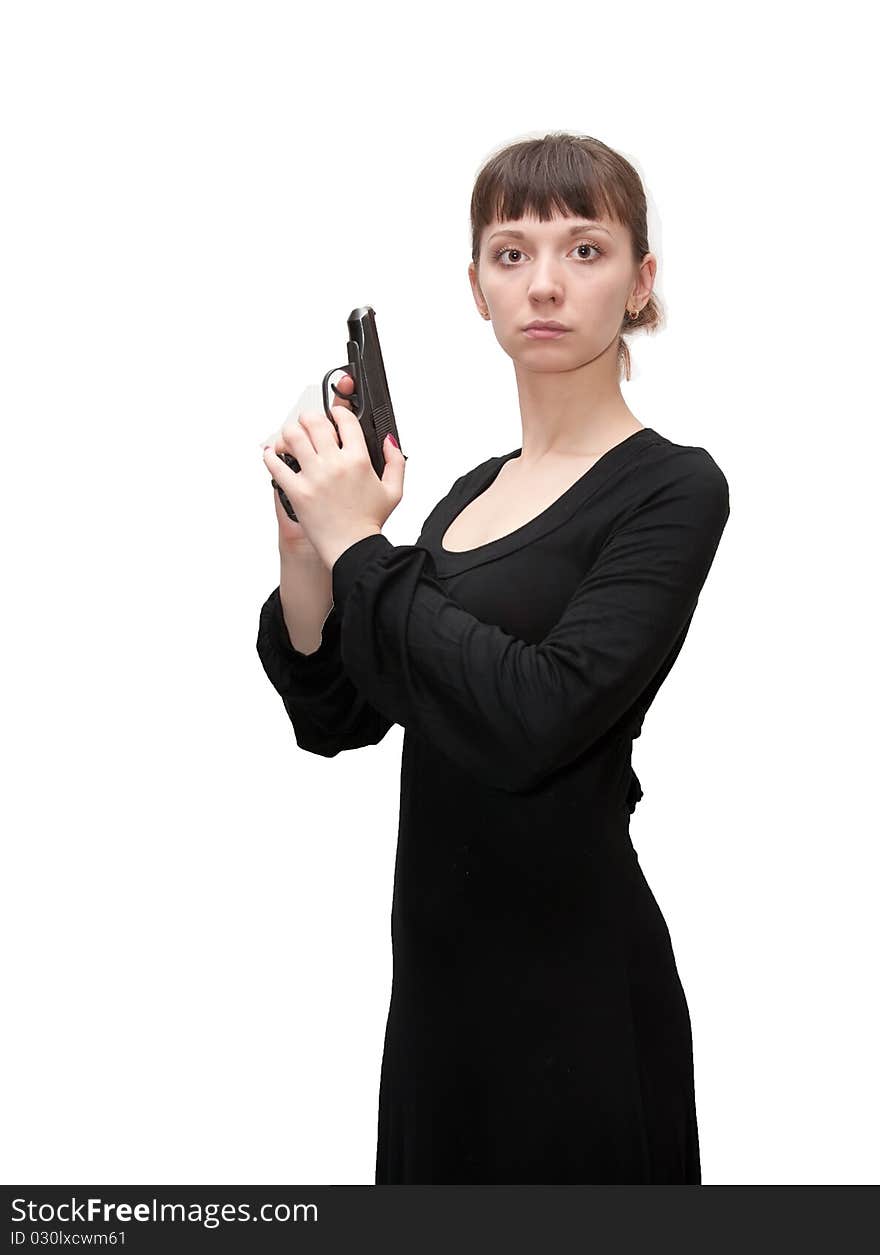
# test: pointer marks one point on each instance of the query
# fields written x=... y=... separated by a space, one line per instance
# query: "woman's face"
x=575 y=272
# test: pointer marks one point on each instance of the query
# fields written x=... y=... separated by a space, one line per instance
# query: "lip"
x=545 y=333
x=545 y=324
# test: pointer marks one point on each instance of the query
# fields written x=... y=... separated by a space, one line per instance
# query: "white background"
x=196 y=943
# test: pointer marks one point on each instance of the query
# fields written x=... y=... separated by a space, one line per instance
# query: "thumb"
x=395 y=463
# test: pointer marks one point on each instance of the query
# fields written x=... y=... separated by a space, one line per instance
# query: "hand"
x=336 y=495
x=292 y=538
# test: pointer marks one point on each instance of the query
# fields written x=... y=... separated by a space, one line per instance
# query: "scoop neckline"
x=549 y=517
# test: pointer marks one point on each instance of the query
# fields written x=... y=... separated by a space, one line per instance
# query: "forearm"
x=306 y=599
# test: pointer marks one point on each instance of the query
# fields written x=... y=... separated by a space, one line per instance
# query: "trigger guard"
x=353 y=400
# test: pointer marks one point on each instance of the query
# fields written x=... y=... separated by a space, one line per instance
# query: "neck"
x=573 y=414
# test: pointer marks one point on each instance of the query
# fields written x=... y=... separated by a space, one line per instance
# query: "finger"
x=280 y=512
x=310 y=421
x=349 y=430
x=321 y=431
x=281 y=472
x=394 y=469
x=345 y=384
x=296 y=438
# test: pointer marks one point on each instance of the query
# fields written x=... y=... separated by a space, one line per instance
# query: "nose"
x=544 y=282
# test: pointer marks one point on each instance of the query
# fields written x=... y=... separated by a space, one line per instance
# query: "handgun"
x=370 y=400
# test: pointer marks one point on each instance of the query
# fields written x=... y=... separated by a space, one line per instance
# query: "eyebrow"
x=575 y=230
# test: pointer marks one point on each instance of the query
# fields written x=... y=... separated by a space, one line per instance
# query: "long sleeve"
x=327 y=712
x=510 y=712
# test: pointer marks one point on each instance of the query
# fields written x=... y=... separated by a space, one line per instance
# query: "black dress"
x=538 y=1032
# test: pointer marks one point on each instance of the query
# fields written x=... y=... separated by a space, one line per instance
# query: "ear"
x=479 y=299
x=647 y=273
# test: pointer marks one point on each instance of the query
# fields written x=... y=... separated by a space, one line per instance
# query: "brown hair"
x=574 y=174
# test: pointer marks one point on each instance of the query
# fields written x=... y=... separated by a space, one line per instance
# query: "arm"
x=509 y=712
x=306 y=598
x=326 y=711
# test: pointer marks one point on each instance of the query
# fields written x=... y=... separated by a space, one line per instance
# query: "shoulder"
x=691 y=470
x=672 y=490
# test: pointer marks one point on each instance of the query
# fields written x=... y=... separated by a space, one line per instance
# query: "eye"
x=499 y=253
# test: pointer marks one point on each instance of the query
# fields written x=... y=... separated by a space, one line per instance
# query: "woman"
x=538 y=1032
